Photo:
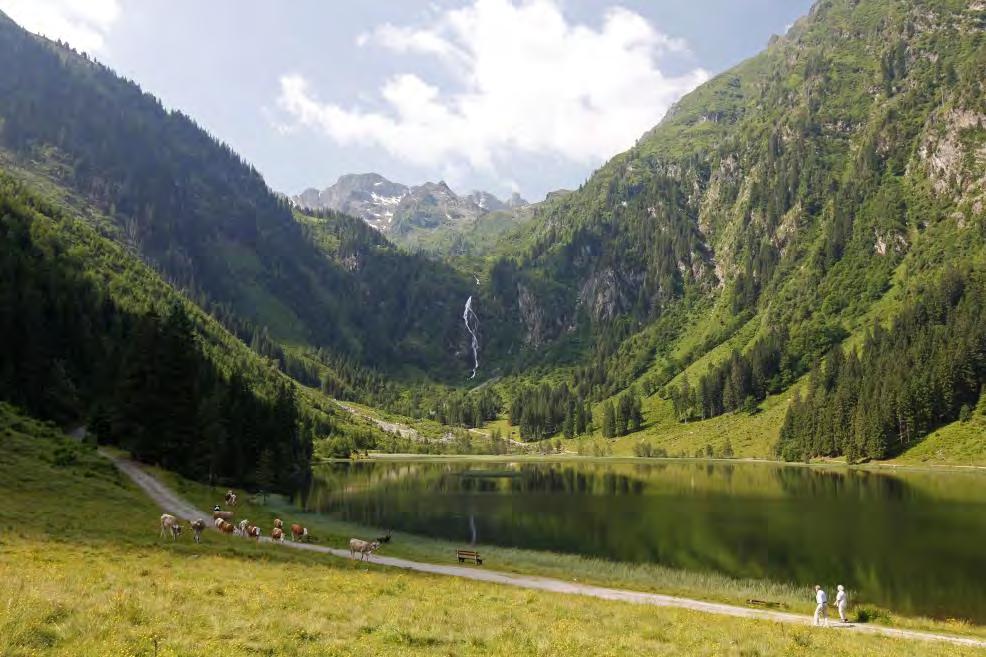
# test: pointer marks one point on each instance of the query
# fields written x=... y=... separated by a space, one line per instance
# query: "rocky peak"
x=395 y=208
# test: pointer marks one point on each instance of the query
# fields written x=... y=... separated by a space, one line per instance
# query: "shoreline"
x=559 y=458
x=920 y=629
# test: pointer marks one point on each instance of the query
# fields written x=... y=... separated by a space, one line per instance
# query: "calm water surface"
x=914 y=542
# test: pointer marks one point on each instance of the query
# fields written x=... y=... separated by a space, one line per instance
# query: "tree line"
x=926 y=369
x=738 y=383
x=545 y=411
x=622 y=418
x=140 y=380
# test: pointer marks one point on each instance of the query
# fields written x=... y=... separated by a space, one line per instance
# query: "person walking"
x=821 y=606
x=840 y=603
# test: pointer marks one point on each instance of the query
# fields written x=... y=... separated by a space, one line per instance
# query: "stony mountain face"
x=487 y=202
x=369 y=196
x=396 y=209
x=516 y=201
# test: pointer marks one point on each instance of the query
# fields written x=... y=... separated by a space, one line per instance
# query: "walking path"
x=171 y=502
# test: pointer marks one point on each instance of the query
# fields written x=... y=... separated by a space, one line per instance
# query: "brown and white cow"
x=170 y=525
x=278 y=523
x=230 y=498
x=277 y=535
x=226 y=527
x=364 y=548
x=299 y=533
x=252 y=531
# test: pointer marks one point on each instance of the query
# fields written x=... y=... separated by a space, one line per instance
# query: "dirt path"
x=402 y=430
x=409 y=432
x=171 y=502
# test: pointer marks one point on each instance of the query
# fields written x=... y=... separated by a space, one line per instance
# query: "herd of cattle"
x=223 y=521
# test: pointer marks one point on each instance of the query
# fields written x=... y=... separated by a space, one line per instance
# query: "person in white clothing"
x=821 y=606
x=840 y=602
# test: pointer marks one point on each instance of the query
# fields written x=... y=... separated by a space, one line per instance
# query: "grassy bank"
x=125 y=600
x=653 y=578
x=85 y=574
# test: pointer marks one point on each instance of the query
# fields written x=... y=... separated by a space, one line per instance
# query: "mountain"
x=815 y=152
x=797 y=246
x=188 y=206
x=368 y=196
x=102 y=340
x=516 y=201
x=774 y=214
x=487 y=202
x=398 y=210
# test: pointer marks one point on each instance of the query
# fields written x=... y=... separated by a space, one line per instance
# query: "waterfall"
x=475 y=341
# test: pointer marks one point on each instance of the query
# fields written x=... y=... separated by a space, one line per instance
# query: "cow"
x=242 y=529
x=278 y=523
x=225 y=515
x=365 y=549
x=197 y=527
x=299 y=533
x=252 y=531
x=218 y=522
x=226 y=527
x=170 y=525
x=277 y=535
x=230 y=498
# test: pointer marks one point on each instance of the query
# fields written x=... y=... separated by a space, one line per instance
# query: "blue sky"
x=502 y=95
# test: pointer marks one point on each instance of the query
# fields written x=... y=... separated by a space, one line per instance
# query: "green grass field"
x=85 y=573
x=958 y=443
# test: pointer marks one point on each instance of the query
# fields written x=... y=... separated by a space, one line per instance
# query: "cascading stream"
x=466 y=314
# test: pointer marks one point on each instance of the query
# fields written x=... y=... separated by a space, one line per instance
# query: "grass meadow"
x=85 y=573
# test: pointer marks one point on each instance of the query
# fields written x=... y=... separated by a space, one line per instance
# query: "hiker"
x=840 y=602
x=821 y=608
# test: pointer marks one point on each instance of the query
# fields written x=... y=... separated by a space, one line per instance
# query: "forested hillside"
x=926 y=369
x=208 y=222
x=791 y=201
x=802 y=234
x=140 y=367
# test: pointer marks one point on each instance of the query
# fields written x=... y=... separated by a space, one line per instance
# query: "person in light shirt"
x=821 y=606
x=840 y=602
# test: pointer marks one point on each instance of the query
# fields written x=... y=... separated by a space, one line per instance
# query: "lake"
x=914 y=542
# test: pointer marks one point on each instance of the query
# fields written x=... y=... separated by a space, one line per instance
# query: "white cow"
x=197 y=527
x=364 y=548
x=170 y=525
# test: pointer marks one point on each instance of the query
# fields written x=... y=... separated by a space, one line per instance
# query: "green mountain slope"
x=207 y=221
x=724 y=266
x=776 y=212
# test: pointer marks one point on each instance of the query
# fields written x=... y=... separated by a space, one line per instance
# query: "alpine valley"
x=791 y=264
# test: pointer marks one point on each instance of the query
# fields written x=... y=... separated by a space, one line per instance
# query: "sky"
x=500 y=95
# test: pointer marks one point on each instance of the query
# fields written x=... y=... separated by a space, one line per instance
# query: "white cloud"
x=527 y=81
x=83 y=24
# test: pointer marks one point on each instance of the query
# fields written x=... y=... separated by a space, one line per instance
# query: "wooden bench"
x=469 y=555
x=765 y=603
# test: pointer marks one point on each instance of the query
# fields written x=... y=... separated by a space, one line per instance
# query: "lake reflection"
x=914 y=542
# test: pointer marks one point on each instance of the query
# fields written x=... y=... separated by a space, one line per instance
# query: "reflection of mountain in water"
x=875 y=532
